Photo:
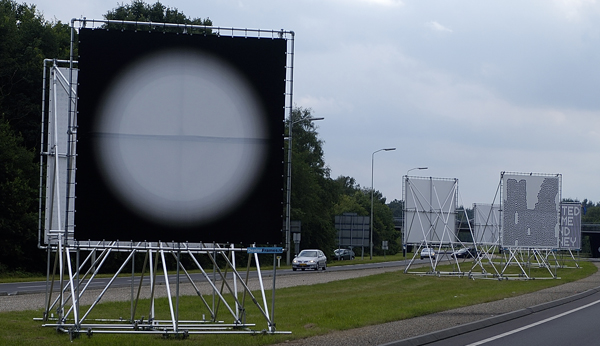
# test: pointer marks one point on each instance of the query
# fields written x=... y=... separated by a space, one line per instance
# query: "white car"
x=427 y=253
x=310 y=259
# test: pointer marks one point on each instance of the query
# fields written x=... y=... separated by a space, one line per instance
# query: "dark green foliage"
x=354 y=199
x=313 y=194
x=18 y=204
x=26 y=39
x=139 y=11
x=591 y=212
x=397 y=208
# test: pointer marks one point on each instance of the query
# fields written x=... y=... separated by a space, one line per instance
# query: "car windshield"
x=308 y=254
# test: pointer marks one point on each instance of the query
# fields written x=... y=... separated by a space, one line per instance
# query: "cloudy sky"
x=466 y=88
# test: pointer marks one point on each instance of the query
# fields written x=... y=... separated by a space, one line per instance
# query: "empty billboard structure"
x=430 y=216
x=531 y=207
x=166 y=154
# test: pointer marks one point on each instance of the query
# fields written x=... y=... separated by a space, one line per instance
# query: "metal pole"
x=371 y=230
x=288 y=187
x=272 y=324
x=288 y=207
x=404 y=207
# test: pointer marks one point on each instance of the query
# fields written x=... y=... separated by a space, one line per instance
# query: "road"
x=99 y=283
x=574 y=323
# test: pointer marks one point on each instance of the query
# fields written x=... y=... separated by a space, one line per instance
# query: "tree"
x=354 y=199
x=313 y=192
x=383 y=225
x=139 y=11
x=591 y=213
x=26 y=39
x=397 y=208
x=18 y=204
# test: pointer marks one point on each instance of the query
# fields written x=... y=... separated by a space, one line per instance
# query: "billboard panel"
x=570 y=226
x=57 y=129
x=486 y=224
x=531 y=210
x=180 y=137
x=430 y=210
x=352 y=230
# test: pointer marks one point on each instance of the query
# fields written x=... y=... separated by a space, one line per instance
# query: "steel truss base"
x=523 y=258
x=220 y=290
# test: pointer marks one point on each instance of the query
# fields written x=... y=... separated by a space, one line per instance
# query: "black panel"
x=100 y=214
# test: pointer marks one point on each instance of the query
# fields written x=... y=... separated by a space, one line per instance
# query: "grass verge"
x=305 y=310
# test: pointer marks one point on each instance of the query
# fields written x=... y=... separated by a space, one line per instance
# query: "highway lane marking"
x=533 y=324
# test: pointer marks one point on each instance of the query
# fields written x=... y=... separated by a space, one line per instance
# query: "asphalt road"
x=574 y=323
x=99 y=283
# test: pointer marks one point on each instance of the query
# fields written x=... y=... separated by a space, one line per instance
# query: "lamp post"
x=288 y=207
x=371 y=233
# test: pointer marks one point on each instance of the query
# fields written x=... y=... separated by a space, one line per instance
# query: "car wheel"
x=325 y=266
x=302 y=269
x=294 y=269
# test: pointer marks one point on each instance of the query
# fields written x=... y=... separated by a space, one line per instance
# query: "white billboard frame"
x=57 y=153
x=430 y=211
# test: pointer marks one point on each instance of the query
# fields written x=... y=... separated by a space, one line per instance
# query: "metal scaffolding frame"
x=230 y=289
x=433 y=220
x=69 y=278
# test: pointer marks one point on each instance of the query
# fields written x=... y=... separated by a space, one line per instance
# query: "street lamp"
x=288 y=207
x=412 y=169
x=371 y=235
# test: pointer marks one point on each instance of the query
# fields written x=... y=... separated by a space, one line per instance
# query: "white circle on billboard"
x=182 y=139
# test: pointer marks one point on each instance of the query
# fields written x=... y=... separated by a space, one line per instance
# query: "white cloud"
x=385 y=2
x=573 y=9
x=435 y=26
x=322 y=105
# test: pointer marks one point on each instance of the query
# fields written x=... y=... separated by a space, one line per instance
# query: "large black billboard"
x=180 y=137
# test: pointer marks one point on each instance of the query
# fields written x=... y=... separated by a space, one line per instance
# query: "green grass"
x=20 y=277
x=304 y=310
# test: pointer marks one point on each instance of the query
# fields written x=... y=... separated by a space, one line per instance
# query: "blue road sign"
x=265 y=250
